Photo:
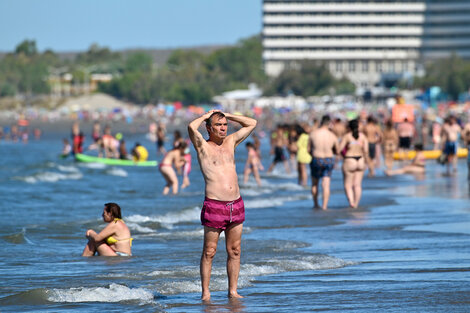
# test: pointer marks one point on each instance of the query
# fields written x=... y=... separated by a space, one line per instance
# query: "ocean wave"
x=49 y=177
x=185 y=234
x=140 y=229
x=114 y=171
x=17 y=238
x=185 y=280
x=169 y=219
x=69 y=169
x=94 y=166
x=114 y=293
x=279 y=173
x=272 y=201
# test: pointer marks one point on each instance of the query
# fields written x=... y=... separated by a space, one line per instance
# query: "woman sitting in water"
x=114 y=240
x=416 y=166
x=355 y=148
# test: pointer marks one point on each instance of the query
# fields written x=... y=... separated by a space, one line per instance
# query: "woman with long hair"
x=354 y=148
x=114 y=240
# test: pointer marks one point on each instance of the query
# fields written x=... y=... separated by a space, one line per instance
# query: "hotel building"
x=370 y=42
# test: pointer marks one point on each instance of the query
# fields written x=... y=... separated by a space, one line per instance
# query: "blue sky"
x=66 y=25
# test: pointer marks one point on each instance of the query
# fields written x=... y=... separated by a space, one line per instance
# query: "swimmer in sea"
x=114 y=240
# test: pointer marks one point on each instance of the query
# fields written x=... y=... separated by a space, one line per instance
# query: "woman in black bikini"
x=355 y=147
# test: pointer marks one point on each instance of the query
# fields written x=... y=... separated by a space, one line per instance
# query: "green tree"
x=307 y=78
x=27 y=47
x=138 y=62
x=97 y=55
x=451 y=74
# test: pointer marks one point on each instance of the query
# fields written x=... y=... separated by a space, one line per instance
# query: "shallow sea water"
x=405 y=249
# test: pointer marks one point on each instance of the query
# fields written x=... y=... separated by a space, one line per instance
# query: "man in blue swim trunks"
x=451 y=133
x=323 y=147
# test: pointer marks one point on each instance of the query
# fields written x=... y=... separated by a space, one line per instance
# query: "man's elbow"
x=253 y=123
x=191 y=129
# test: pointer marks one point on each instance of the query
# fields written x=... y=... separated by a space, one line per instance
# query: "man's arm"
x=194 y=134
x=248 y=125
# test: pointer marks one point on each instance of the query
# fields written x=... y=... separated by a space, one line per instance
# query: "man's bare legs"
x=211 y=237
x=315 y=192
x=357 y=187
x=233 y=238
x=348 y=187
x=325 y=184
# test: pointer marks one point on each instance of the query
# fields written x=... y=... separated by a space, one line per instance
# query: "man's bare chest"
x=219 y=156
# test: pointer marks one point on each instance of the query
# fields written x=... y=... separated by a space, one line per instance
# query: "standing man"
x=450 y=134
x=223 y=208
x=323 y=145
x=406 y=131
x=374 y=136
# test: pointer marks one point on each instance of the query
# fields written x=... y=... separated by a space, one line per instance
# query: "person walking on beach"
x=450 y=135
x=303 y=156
x=374 y=136
x=356 y=150
x=390 y=142
x=406 y=131
x=278 y=144
x=323 y=145
x=223 y=208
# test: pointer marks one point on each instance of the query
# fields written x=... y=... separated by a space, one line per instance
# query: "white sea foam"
x=116 y=172
x=272 y=202
x=169 y=219
x=140 y=229
x=279 y=172
x=183 y=280
x=68 y=169
x=114 y=293
x=50 y=177
x=186 y=234
x=263 y=203
x=95 y=166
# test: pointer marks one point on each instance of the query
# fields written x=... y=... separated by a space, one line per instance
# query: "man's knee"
x=209 y=252
x=234 y=251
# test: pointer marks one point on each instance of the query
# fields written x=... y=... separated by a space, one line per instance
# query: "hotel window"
x=404 y=66
x=379 y=68
x=351 y=66
x=391 y=67
x=365 y=66
x=339 y=66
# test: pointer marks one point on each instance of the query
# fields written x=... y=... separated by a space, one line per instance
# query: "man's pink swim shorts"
x=222 y=214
